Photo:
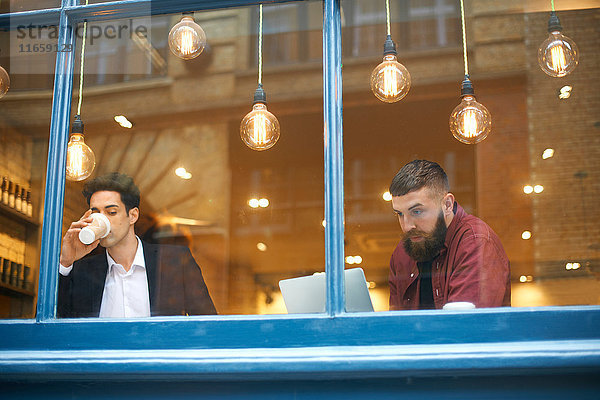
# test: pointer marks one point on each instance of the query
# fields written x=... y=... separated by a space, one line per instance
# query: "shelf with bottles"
x=15 y=202
x=15 y=278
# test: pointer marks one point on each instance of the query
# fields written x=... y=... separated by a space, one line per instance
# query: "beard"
x=431 y=244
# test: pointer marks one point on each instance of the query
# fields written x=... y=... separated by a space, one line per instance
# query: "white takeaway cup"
x=98 y=229
x=459 y=305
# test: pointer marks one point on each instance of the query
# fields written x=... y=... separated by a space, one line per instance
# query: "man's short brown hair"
x=417 y=174
x=114 y=182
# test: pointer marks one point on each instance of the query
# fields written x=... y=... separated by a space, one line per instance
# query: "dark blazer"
x=175 y=284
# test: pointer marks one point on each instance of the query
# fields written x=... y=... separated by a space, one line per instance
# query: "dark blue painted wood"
x=334 y=156
x=26 y=18
x=421 y=328
x=500 y=359
x=55 y=176
x=120 y=9
x=511 y=387
x=140 y=8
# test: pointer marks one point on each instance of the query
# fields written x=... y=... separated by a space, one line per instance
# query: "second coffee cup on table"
x=98 y=229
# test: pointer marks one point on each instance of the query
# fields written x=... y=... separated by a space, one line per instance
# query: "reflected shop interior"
x=252 y=218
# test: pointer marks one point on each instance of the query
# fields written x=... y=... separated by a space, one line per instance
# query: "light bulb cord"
x=552 y=4
x=464 y=36
x=81 y=66
x=387 y=13
x=260 y=29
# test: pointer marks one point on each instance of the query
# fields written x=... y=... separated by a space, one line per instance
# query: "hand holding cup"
x=72 y=248
x=98 y=229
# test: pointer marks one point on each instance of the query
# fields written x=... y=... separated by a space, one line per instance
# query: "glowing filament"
x=80 y=159
x=259 y=129
x=470 y=123
x=259 y=132
x=559 y=62
x=187 y=41
x=390 y=81
x=75 y=160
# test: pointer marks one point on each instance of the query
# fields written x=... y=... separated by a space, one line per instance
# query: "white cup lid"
x=104 y=219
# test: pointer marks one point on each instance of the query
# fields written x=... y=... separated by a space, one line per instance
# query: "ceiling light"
x=261 y=246
x=387 y=196
x=574 y=265
x=187 y=39
x=123 y=121
x=558 y=55
x=548 y=153
x=528 y=189
x=254 y=203
x=565 y=92
x=183 y=173
x=4 y=82
x=260 y=129
x=525 y=235
x=80 y=158
x=470 y=121
x=264 y=203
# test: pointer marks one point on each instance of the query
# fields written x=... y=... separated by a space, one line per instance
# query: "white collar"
x=137 y=260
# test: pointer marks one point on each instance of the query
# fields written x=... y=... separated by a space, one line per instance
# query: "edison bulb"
x=558 y=55
x=470 y=121
x=4 y=82
x=80 y=159
x=390 y=80
x=259 y=129
x=187 y=39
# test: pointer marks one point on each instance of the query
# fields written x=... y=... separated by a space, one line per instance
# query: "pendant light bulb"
x=4 y=82
x=80 y=158
x=390 y=80
x=470 y=121
x=259 y=129
x=558 y=55
x=187 y=39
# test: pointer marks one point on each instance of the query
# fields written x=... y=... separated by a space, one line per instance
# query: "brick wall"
x=565 y=214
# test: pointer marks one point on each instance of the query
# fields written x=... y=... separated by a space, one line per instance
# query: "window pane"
x=533 y=180
x=196 y=176
x=24 y=127
x=28 y=5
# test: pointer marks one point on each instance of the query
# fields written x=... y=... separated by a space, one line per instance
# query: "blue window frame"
x=503 y=341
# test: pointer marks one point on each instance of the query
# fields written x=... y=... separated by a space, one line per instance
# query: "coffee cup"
x=459 y=305
x=98 y=229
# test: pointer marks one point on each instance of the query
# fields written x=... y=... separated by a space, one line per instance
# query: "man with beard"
x=445 y=255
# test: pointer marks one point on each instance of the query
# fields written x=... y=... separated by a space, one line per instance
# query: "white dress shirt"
x=125 y=293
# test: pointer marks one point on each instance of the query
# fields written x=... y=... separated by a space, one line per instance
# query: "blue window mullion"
x=55 y=173
x=334 y=156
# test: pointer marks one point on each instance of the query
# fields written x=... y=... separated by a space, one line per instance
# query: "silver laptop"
x=306 y=294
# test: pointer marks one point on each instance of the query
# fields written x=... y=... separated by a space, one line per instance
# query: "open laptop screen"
x=306 y=294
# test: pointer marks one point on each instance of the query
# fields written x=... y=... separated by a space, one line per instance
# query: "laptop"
x=306 y=294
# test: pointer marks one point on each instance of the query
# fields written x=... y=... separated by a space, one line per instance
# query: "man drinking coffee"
x=132 y=278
